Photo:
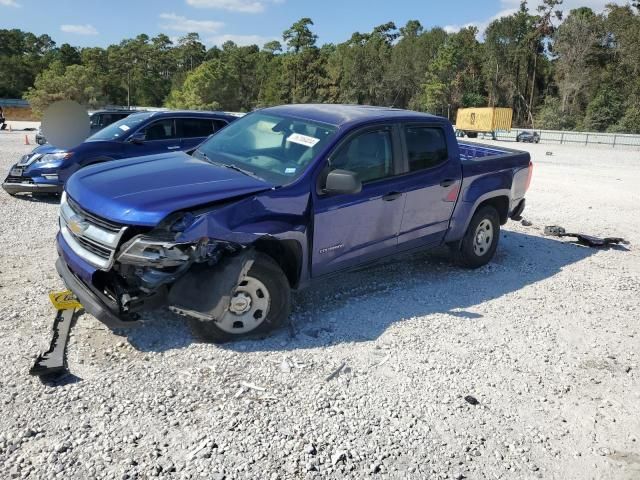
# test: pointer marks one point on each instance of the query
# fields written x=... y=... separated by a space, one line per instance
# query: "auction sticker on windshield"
x=303 y=140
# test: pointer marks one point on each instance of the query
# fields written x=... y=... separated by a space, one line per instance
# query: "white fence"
x=614 y=140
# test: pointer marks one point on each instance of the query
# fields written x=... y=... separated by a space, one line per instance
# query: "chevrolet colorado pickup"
x=279 y=198
x=47 y=168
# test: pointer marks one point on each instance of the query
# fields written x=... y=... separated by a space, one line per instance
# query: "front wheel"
x=259 y=304
x=480 y=242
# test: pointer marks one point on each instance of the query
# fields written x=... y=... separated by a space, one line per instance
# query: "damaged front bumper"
x=146 y=275
x=91 y=302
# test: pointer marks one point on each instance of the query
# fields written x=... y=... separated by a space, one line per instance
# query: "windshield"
x=119 y=129
x=274 y=148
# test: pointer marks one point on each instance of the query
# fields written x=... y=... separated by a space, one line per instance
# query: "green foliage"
x=629 y=123
x=583 y=72
x=454 y=79
x=552 y=117
x=604 y=110
x=75 y=82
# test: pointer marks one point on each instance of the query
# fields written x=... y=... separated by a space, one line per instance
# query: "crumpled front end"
x=117 y=271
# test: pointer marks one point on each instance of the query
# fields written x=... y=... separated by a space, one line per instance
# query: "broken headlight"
x=147 y=251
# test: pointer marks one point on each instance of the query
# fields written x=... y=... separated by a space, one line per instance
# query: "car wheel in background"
x=260 y=303
x=480 y=242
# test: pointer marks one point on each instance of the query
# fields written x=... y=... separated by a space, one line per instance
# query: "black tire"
x=468 y=253
x=267 y=271
x=472 y=134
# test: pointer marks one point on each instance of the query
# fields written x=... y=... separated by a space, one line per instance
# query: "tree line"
x=578 y=70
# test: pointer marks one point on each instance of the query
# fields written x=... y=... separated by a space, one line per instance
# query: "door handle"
x=173 y=148
x=390 y=197
x=448 y=182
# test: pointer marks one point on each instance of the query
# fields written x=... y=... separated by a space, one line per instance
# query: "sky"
x=87 y=23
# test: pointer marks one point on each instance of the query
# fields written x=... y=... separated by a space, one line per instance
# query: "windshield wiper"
x=241 y=170
x=200 y=153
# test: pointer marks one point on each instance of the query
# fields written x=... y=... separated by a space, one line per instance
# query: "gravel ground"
x=545 y=338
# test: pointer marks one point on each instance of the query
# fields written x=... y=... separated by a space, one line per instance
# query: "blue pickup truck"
x=280 y=198
x=47 y=168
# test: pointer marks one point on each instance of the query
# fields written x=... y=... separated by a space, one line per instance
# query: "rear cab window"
x=426 y=146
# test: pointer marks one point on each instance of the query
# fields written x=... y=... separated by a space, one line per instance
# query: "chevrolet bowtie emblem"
x=77 y=225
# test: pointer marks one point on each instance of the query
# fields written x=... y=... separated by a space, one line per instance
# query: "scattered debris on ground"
x=587 y=240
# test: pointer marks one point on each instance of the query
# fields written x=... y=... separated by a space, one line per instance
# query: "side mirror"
x=343 y=182
x=137 y=138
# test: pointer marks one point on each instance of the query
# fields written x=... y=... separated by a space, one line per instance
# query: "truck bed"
x=477 y=158
x=472 y=151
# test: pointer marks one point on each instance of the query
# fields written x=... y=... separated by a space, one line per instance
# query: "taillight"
x=529 y=175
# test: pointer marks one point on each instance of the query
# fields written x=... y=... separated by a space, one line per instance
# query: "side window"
x=194 y=127
x=426 y=147
x=109 y=118
x=369 y=154
x=218 y=124
x=96 y=120
x=160 y=130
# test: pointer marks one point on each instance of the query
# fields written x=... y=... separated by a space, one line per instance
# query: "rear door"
x=352 y=229
x=193 y=131
x=431 y=185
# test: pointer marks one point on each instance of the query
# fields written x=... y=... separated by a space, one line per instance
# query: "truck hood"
x=144 y=190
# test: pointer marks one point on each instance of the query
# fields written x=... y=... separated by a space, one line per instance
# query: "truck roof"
x=342 y=115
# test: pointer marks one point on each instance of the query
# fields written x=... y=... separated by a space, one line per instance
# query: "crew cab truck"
x=47 y=168
x=278 y=199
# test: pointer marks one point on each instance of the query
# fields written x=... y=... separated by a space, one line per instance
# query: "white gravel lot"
x=546 y=338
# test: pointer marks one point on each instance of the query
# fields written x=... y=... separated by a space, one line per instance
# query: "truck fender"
x=464 y=212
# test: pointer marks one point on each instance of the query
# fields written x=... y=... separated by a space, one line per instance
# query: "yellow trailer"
x=471 y=121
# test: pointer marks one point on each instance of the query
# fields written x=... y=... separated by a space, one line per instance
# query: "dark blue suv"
x=47 y=168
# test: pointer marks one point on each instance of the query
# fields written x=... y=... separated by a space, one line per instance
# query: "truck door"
x=430 y=187
x=353 y=229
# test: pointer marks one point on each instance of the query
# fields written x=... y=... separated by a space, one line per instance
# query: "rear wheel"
x=259 y=304
x=480 y=242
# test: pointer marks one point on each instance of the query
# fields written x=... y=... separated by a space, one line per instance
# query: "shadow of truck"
x=361 y=305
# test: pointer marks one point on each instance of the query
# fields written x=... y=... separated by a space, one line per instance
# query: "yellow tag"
x=64 y=300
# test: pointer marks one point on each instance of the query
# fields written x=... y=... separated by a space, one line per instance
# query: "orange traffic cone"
x=26 y=140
